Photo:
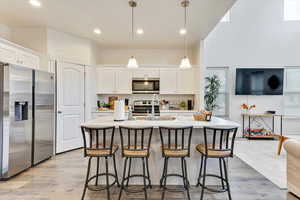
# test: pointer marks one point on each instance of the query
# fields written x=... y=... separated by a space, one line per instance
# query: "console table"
x=255 y=117
x=271 y=135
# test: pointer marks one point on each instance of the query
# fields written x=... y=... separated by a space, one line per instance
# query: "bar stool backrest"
x=136 y=138
x=176 y=139
x=219 y=139
x=98 y=138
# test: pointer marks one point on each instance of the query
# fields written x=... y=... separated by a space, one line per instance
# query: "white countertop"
x=179 y=122
x=162 y=111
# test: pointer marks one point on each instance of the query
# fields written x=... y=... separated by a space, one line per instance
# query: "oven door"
x=141 y=110
x=145 y=86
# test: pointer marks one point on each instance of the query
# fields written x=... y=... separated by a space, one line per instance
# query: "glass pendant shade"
x=185 y=63
x=132 y=63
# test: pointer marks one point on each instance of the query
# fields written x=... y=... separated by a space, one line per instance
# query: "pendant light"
x=185 y=62
x=132 y=63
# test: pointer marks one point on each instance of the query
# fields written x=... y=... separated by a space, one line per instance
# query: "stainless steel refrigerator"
x=26 y=118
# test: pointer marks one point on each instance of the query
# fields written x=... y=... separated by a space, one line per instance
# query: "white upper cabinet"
x=123 y=81
x=185 y=81
x=177 y=81
x=168 y=81
x=12 y=55
x=106 y=83
x=7 y=54
x=114 y=81
x=149 y=73
x=28 y=60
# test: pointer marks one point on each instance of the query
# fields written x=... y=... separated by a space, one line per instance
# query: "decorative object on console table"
x=251 y=133
x=211 y=92
x=247 y=108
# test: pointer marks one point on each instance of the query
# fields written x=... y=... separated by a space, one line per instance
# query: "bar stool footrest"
x=101 y=187
x=212 y=189
x=125 y=188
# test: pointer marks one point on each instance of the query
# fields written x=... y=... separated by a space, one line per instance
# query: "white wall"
x=5 y=32
x=63 y=45
x=256 y=36
x=34 y=38
x=143 y=56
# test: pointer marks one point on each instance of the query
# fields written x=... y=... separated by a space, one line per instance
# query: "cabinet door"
x=168 y=81
x=106 y=81
x=185 y=81
x=149 y=73
x=7 y=54
x=28 y=60
x=123 y=81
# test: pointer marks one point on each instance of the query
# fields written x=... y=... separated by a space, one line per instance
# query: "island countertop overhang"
x=182 y=121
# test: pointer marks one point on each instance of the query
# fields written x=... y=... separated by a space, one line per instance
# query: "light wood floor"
x=62 y=178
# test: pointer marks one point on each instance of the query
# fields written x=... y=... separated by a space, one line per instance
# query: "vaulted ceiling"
x=160 y=19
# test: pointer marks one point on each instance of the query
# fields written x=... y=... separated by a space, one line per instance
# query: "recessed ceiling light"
x=97 y=31
x=183 y=31
x=140 y=31
x=35 y=3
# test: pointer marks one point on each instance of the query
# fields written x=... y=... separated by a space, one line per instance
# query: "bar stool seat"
x=94 y=152
x=212 y=153
x=136 y=153
x=173 y=152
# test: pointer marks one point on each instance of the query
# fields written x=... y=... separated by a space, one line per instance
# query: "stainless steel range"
x=144 y=107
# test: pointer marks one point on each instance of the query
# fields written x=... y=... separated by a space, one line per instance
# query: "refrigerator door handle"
x=59 y=112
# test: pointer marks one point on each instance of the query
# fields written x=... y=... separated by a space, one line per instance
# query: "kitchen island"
x=156 y=160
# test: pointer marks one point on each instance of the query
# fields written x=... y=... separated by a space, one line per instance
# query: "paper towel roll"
x=119 y=111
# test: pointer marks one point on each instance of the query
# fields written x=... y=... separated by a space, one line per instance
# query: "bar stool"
x=135 y=143
x=99 y=143
x=218 y=144
x=175 y=143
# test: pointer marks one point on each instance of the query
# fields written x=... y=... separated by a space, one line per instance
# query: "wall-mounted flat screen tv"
x=259 y=81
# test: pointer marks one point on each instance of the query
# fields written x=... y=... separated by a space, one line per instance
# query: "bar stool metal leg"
x=98 y=160
x=200 y=172
x=163 y=174
x=221 y=173
x=203 y=180
x=87 y=178
x=129 y=170
x=186 y=179
x=144 y=178
x=107 y=178
x=226 y=178
x=123 y=179
x=148 y=173
x=165 y=179
x=116 y=172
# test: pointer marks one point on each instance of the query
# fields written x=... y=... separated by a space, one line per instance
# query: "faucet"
x=155 y=100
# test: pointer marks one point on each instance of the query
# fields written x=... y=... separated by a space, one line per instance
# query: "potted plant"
x=212 y=88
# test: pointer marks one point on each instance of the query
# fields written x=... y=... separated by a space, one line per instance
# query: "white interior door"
x=70 y=106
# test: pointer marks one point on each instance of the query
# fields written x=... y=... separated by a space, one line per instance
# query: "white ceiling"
x=160 y=19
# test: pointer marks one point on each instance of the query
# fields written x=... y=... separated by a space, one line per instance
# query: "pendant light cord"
x=185 y=36
x=132 y=23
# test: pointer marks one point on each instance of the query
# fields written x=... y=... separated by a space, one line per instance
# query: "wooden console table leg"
x=280 y=144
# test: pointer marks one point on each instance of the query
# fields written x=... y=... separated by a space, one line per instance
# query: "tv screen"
x=259 y=81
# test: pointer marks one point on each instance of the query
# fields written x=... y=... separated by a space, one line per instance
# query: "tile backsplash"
x=174 y=100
